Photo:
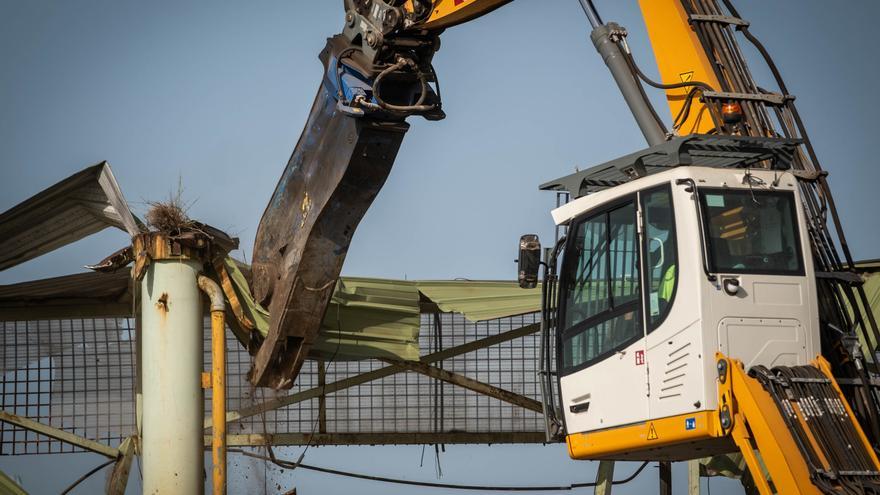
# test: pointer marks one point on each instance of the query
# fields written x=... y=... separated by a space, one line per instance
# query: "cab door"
x=600 y=342
x=762 y=300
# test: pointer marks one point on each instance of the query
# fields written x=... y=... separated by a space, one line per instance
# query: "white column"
x=173 y=407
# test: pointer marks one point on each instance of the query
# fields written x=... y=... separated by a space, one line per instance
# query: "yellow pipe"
x=218 y=383
x=218 y=400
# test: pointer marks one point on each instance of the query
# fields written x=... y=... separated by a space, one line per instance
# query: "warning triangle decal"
x=652 y=432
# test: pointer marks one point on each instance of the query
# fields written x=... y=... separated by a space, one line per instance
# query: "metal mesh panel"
x=407 y=401
x=79 y=375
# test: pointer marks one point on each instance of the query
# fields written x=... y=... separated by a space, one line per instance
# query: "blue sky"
x=215 y=95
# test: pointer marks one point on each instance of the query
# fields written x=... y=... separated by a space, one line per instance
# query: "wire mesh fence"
x=79 y=375
x=76 y=374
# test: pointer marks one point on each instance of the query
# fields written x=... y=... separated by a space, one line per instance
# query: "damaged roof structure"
x=81 y=205
x=366 y=318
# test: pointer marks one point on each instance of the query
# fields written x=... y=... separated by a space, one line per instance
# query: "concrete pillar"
x=694 y=477
x=171 y=367
x=604 y=478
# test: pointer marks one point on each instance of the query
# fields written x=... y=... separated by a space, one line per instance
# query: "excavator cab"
x=682 y=306
x=673 y=254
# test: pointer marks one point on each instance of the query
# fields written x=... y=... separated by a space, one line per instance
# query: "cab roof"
x=702 y=150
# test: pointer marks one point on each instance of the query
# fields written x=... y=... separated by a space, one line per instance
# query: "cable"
x=423 y=94
x=632 y=63
x=380 y=103
x=291 y=465
x=637 y=72
x=85 y=476
x=651 y=107
x=685 y=110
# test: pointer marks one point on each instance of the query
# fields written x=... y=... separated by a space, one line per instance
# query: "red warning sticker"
x=640 y=358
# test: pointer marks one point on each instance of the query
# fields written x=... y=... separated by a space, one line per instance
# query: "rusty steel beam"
x=376 y=374
x=335 y=172
x=322 y=400
x=292 y=439
x=58 y=434
x=469 y=383
x=118 y=480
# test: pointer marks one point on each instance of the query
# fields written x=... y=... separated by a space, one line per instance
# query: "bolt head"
x=725 y=418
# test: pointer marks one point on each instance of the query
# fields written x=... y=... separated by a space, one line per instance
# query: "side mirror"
x=529 y=261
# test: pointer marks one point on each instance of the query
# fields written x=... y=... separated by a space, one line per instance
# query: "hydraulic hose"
x=418 y=106
x=650 y=82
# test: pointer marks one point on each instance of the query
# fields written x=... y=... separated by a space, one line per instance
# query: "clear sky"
x=214 y=95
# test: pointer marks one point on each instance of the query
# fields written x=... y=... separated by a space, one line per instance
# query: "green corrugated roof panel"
x=481 y=300
x=872 y=292
x=373 y=317
x=370 y=318
x=366 y=318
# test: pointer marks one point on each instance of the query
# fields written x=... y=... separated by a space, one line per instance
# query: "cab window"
x=600 y=308
x=661 y=262
x=751 y=231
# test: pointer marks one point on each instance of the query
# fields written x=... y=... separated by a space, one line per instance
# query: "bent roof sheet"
x=480 y=300
x=108 y=294
x=78 y=206
x=70 y=296
x=366 y=318
x=872 y=293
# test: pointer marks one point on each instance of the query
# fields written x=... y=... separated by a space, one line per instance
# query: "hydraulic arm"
x=777 y=413
x=377 y=73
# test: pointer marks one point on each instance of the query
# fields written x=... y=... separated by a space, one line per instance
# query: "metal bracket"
x=371 y=26
x=721 y=19
x=809 y=175
x=769 y=98
x=851 y=278
x=873 y=382
x=809 y=380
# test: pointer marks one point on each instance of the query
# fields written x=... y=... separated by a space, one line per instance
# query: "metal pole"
x=592 y=14
x=694 y=477
x=665 y=477
x=626 y=82
x=604 y=478
x=173 y=409
x=218 y=383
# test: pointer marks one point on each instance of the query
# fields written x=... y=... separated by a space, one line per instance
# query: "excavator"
x=701 y=299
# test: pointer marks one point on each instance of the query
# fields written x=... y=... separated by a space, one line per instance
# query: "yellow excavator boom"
x=805 y=440
x=447 y=13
